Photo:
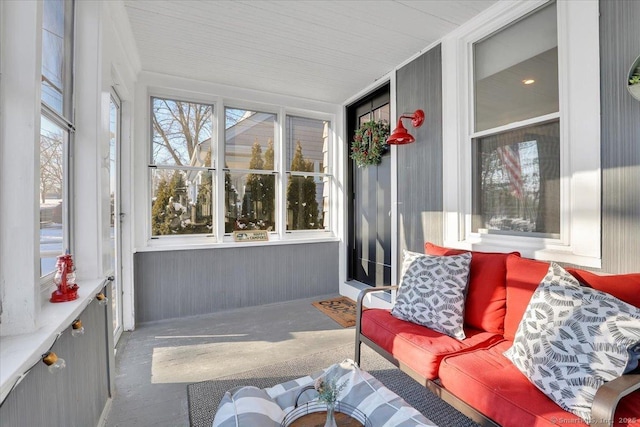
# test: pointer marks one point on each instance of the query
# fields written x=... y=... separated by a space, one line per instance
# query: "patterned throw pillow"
x=432 y=292
x=572 y=339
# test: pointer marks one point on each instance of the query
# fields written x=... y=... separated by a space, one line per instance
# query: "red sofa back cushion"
x=486 y=294
x=625 y=287
x=523 y=277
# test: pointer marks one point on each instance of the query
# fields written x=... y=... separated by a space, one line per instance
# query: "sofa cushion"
x=572 y=339
x=485 y=306
x=418 y=347
x=432 y=292
x=523 y=277
x=489 y=382
x=622 y=286
x=248 y=406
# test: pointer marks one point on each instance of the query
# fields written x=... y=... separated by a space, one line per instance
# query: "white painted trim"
x=395 y=223
x=220 y=96
x=21 y=39
x=578 y=47
x=19 y=352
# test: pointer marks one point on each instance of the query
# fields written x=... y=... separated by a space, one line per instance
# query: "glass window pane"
x=307 y=144
x=182 y=202
x=53 y=139
x=249 y=139
x=364 y=119
x=382 y=114
x=53 y=29
x=516 y=71
x=249 y=201
x=181 y=133
x=114 y=136
x=517 y=181
x=308 y=203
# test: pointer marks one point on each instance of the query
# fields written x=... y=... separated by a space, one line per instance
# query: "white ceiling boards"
x=320 y=50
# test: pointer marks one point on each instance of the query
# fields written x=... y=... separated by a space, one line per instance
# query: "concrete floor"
x=156 y=362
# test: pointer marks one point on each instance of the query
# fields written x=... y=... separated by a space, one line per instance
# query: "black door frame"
x=370 y=102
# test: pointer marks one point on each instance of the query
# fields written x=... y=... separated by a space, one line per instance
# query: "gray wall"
x=171 y=284
x=75 y=396
x=419 y=86
x=619 y=46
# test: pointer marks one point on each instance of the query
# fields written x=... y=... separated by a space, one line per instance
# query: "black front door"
x=369 y=213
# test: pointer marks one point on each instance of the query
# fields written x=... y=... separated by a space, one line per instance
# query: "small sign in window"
x=251 y=235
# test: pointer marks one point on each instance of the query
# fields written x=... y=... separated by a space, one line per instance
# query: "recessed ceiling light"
x=528 y=81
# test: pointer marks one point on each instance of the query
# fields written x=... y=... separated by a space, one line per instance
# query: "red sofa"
x=473 y=375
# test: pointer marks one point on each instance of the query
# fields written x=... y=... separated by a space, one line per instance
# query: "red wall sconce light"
x=400 y=136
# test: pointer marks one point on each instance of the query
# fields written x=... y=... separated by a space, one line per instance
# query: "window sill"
x=529 y=247
x=178 y=244
x=19 y=353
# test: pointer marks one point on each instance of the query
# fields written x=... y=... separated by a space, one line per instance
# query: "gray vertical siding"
x=419 y=86
x=619 y=46
x=172 y=284
x=75 y=396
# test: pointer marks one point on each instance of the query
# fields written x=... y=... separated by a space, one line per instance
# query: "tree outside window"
x=181 y=158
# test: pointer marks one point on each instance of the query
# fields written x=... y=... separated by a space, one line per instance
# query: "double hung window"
x=250 y=171
x=516 y=129
x=56 y=131
x=521 y=134
x=181 y=168
x=308 y=178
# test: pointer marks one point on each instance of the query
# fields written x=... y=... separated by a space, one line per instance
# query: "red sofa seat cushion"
x=625 y=287
x=488 y=381
x=416 y=346
x=523 y=277
x=485 y=305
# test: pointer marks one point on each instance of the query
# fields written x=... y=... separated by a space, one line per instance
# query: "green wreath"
x=370 y=143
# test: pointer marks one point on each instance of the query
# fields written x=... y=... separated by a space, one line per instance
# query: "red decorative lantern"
x=65 y=280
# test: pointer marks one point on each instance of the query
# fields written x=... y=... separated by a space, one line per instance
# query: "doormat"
x=341 y=309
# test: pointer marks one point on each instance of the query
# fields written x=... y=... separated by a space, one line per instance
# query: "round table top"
x=317 y=419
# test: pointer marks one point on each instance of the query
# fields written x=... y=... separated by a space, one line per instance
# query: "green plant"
x=328 y=390
x=369 y=143
x=635 y=79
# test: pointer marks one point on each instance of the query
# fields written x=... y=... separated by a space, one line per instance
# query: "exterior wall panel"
x=171 y=284
x=419 y=86
x=75 y=396
x=619 y=46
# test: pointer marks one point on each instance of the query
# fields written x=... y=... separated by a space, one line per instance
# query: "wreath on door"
x=370 y=143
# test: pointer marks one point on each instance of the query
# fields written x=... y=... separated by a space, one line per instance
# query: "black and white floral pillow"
x=432 y=292
x=572 y=339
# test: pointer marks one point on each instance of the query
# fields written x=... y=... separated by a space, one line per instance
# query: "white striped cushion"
x=248 y=406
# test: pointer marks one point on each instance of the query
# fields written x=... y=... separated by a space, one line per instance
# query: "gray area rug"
x=203 y=397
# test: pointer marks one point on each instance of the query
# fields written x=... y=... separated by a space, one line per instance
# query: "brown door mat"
x=340 y=309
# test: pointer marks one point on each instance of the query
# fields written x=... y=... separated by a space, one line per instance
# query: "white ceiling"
x=323 y=50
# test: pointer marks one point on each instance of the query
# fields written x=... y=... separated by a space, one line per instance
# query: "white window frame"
x=329 y=174
x=220 y=238
x=155 y=166
x=579 y=68
x=65 y=120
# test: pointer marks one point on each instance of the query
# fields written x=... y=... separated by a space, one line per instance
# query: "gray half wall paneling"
x=172 y=284
x=75 y=396
x=419 y=86
x=620 y=152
